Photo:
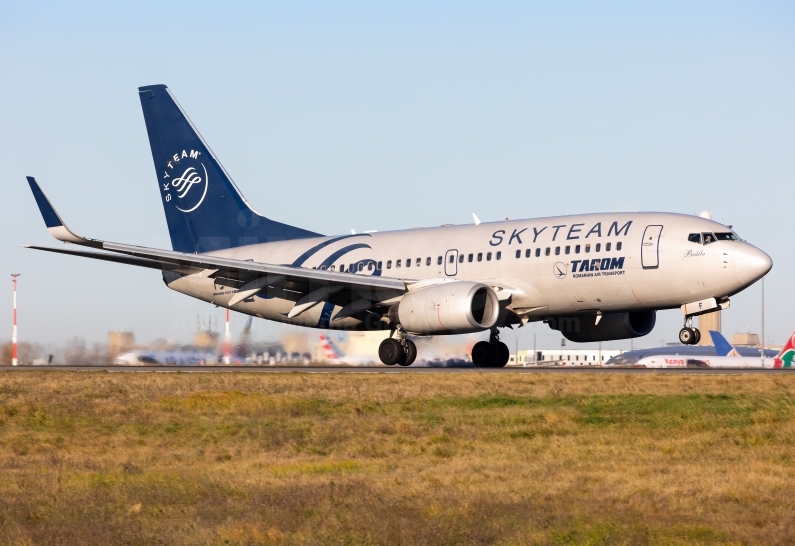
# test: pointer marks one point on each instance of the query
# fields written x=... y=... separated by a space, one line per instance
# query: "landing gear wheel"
x=686 y=336
x=409 y=354
x=697 y=338
x=391 y=352
x=483 y=354
x=503 y=355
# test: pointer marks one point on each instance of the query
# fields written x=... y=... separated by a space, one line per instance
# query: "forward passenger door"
x=650 y=249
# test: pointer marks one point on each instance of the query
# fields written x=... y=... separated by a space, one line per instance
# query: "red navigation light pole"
x=14 y=360
x=227 y=342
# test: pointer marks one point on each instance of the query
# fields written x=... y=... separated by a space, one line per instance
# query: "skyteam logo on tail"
x=189 y=188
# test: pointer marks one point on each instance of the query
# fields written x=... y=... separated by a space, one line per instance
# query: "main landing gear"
x=689 y=335
x=399 y=350
x=492 y=353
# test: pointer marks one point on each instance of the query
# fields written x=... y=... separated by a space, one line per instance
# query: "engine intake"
x=613 y=326
x=458 y=307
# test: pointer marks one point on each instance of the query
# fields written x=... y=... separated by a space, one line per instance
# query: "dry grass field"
x=471 y=458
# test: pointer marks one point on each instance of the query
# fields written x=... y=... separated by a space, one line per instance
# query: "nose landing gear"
x=492 y=353
x=689 y=335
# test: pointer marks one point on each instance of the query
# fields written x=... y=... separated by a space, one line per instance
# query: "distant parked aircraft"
x=176 y=357
x=782 y=360
x=335 y=355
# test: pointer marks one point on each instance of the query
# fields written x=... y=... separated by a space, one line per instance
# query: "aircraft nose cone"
x=750 y=263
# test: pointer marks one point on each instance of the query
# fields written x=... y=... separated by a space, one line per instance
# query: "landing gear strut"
x=689 y=335
x=492 y=353
x=397 y=350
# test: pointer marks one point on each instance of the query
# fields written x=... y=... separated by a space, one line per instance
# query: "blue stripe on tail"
x=204 y=209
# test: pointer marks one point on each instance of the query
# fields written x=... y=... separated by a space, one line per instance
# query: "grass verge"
x=431 y=459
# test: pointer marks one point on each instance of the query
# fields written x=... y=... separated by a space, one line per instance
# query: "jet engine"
x=458 y=307
x=583 y=328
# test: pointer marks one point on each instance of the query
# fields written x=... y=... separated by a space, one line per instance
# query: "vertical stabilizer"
x=784 y=359
x=204 y=209
x=722 y=345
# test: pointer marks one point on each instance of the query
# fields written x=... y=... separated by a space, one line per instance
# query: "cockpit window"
x=726 y=237
x=708 y=238
x=694 y=238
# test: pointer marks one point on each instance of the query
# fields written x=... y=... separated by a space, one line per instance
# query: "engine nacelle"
x=458 y=307
x=582 y=328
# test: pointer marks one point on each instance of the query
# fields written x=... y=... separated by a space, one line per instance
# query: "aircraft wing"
x=248 y=276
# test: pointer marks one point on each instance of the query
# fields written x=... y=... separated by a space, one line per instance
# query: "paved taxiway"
x=393 y=369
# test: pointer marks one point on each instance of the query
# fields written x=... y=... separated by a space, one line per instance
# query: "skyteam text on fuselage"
x=593 y=277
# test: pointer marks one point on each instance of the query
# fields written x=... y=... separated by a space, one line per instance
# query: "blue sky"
x=374 y=116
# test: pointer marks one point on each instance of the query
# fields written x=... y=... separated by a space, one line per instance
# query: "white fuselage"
x=685 y=361
x=553 y=266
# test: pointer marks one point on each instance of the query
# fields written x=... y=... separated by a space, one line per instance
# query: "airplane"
x=593 y=277
x=334 y=354
x=722 y=345
x=177 y=357
x=782 y=360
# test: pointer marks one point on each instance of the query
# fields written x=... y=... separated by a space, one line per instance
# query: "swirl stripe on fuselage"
x=306 y=255
x=341 y=252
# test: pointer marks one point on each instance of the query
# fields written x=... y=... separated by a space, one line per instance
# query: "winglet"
x=52 y=219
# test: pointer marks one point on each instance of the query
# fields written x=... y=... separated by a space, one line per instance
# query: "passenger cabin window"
x=694 y=238
x=439 y=260
x=557 y=251
x=587 y=248
x=480 y=256
x=498 y=255
x=331 y=268
x=519 y=253
x=452 y=259
x=389 y=264
x=419 y=262
x=470 y=257
x=408 y=262
x=528 y=253
x=488 y=256
x=461 y=258
x=378 y=267
x=607 y=247
x=546 y=252
x=618 y=245
x=370 y=266
x=361 y=267
x=397 y=263
x=577 y=249
x=322 y=267
x=726 y=237
x=568 y=249
x=538 y=252
x=342 y=268
x=428 y=260
x=598 y=247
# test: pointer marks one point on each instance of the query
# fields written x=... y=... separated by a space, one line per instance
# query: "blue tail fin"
x=204 y=209
x=722 y=346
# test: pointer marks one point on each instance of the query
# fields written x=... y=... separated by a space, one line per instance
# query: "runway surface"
x=394 y=369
